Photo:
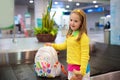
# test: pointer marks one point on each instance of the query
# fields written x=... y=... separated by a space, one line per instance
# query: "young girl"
x=76 y=44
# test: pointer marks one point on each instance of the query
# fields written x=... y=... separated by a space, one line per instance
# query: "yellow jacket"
x=77 y=51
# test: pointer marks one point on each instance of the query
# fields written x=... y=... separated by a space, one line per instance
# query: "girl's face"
x=75 y=21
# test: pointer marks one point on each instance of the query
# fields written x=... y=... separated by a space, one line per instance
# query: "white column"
x=115 y=21
x=7 y=14
x=40 y=6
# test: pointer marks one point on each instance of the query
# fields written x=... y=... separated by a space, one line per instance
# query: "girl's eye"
x=70 y=19
x=76 y=21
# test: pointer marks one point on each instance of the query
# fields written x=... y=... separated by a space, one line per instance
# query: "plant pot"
x=45 y=38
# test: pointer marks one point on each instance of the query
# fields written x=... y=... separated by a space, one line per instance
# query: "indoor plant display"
x=47 y=32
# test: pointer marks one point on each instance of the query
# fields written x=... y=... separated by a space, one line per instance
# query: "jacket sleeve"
x=84 y=53
x=60 y=46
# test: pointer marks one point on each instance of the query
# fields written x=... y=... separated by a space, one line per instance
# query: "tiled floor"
x=108 y=76
x=97 y=36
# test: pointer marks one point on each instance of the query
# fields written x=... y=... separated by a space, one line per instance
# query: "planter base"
x=45 y=38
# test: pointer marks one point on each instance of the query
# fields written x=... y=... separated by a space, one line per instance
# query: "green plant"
x=47 y=23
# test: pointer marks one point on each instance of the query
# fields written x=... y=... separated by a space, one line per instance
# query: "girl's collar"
x=75 y=33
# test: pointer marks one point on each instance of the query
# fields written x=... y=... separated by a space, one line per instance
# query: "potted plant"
x=48 y=31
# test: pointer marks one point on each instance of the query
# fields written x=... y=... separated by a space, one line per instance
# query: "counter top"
x=20 y=45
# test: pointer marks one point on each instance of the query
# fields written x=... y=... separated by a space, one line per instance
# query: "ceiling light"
x=56 y=3
x=31 y=1
x=67 y=6
x=69 y=0
x=77 y=4
x=94 y=1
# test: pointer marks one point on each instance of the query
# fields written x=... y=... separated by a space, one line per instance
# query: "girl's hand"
x=78 y=75
x=48 y=44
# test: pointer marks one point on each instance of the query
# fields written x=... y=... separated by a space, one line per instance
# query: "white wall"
x=92 y=18
x=20 y=9
x=31 y=11
x=39 y=7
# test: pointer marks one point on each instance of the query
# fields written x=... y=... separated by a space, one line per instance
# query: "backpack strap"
x=63 y=70
x=62 y=67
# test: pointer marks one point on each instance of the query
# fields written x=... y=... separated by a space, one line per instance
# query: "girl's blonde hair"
x=83 y=27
